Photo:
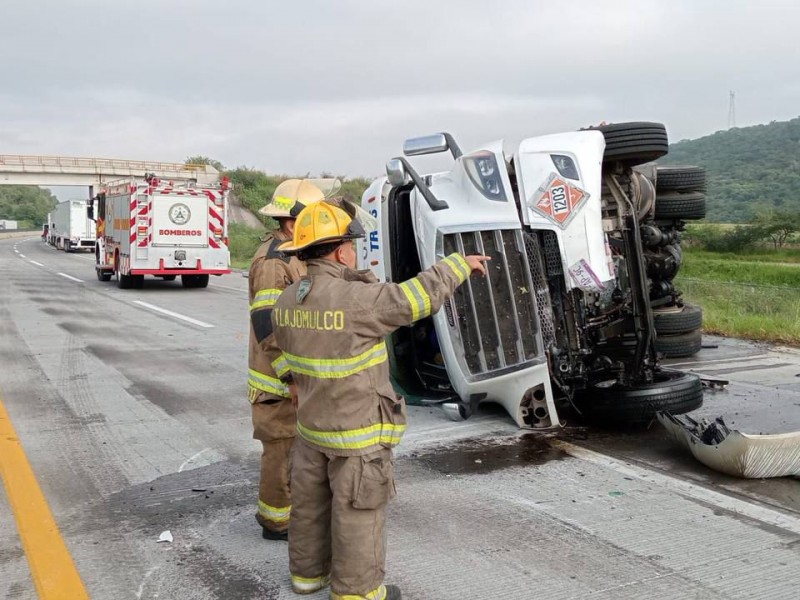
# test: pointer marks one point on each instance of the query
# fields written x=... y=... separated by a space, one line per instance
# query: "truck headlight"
x=484 y=173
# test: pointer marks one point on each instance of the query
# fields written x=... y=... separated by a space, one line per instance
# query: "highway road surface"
x=129 y=409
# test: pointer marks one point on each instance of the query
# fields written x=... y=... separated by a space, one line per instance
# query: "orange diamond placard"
x=558 y=200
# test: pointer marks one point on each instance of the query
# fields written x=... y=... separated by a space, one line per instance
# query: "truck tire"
x=634 y=143
x=128 y=282
x=685 y=206
x=674 y=178
x=672 y=391
x=103 y=275
x=680 y=345
x=194 y=281
x=124 y=282
x=675 y=320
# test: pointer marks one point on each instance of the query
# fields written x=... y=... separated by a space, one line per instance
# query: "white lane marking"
x=172 y=314
x=71 y=277
x=38 y=264
x=15 y=250
x=22 y=256
x=698 y=492
x=188 y=460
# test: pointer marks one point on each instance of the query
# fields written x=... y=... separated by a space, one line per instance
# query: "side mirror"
x=90 y=212
x=431 y=144
x=396 y=172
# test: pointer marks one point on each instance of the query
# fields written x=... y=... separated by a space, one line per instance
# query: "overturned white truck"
x=582 y=264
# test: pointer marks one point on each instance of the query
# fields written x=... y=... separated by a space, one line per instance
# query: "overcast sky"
x=305 y=86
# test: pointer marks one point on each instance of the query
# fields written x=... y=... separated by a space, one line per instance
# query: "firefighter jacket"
x=270 y=273
x=330 y=327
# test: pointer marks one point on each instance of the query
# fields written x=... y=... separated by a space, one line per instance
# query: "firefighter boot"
x=393 y=593
x=271 y=534
x=301 y=585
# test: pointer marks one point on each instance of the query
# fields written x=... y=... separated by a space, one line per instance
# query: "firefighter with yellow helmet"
x=272 y=411
x=329 y=328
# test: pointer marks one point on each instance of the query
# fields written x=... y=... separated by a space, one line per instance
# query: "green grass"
x=753 y=296
x=784 y=255
x=244 y=241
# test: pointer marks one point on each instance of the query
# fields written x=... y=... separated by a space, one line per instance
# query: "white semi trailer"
x=70 y=227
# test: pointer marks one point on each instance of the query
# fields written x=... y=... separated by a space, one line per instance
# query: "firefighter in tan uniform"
x=330 y=328
x=274 y=420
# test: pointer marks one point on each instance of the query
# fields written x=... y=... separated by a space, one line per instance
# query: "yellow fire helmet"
x=291 y=197
x=321 y=223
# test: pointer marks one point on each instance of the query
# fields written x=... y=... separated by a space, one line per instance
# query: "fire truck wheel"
x=194 y=281
x=103 y=275
x=124 y=281
x=672 y=391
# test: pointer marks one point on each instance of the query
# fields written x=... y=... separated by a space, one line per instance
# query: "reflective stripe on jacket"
x=331 y=339
x=270 y=274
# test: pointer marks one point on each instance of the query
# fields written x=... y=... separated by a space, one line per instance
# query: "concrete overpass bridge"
x=18 y=169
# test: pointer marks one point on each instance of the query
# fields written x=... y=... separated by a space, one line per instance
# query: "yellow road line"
x=53 y=571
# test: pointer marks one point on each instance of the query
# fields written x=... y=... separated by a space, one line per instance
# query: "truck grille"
x=533 y=247
x=495 y=315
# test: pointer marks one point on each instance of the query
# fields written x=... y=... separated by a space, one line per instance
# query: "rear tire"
x=681 y=345
x=686 y=206
x=671 y=178
x=634 y=143
x=124 y=282
x=103 y=275
x=194 y=281
x=672 y=391
x=672 y=321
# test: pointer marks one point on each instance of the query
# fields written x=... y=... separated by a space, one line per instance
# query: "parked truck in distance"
x=70 y=228
x=163 y=229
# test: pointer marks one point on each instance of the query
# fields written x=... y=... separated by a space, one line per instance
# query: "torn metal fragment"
x=735 y=453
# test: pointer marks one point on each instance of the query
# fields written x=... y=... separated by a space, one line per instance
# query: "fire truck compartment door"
x=180 y=221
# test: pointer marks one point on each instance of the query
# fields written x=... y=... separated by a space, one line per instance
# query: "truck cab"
x=564 y=318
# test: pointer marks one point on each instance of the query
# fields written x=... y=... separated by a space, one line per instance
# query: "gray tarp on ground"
x=735 y=453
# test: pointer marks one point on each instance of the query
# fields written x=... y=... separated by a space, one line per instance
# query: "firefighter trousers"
x=338 y=520
x=274 y=424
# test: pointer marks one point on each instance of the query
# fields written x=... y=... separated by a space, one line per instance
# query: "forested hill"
x=26 y=204
x=748 y=168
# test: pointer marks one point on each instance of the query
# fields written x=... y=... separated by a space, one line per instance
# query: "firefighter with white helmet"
x=272 y=411
x=329 y=328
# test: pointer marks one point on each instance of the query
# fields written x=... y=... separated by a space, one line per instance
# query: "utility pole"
x=732 y=110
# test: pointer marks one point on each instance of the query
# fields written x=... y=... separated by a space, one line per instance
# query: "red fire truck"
x=164 y=229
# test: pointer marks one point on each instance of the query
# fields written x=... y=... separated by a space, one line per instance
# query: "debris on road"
x=733 y=452
x=166 y=536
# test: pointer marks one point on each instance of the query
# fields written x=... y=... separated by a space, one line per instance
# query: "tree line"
x=26 y=204
x=770 y=228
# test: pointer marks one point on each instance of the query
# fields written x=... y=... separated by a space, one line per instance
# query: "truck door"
x=559 y=178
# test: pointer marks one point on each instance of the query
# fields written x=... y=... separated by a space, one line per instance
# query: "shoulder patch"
x=273 y=251
x=303 y=288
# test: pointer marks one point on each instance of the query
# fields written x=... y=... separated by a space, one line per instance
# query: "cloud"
x=314 y=85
